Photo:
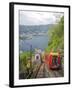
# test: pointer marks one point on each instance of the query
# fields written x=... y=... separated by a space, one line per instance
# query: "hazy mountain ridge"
x=34 y=28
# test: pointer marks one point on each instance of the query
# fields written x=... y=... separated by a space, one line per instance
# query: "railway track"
x=40 y=73
x=44 y=72
x=53 y=73
x=34 y=72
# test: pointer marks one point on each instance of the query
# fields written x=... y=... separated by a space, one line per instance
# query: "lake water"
x=40 y=42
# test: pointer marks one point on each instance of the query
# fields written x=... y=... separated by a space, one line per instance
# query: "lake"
x=40 y=42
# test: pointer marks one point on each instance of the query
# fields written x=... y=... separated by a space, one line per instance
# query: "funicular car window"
x=54 y=60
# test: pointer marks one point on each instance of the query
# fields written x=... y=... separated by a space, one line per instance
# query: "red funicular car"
x=53 y=60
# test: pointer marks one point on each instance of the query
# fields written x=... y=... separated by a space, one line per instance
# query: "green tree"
x=56 y=37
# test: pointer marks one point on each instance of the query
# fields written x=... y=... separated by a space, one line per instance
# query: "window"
x=54 y=60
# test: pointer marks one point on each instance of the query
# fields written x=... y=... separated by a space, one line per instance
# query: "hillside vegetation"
x=56 y=37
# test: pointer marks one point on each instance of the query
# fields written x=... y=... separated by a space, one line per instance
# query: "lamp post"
x=30 y=56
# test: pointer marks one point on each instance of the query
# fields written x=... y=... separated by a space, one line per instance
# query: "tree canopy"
x=56 y=36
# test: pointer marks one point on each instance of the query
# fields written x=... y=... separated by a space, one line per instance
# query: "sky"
x=38 y=18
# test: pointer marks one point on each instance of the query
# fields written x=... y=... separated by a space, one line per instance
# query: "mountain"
x=33 y=29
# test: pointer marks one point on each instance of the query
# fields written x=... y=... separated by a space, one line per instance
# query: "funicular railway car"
x=53 y=60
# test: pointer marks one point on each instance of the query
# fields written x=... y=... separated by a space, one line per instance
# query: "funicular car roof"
x=54 y=54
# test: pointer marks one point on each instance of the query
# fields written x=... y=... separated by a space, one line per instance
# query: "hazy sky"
x=38 y=18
